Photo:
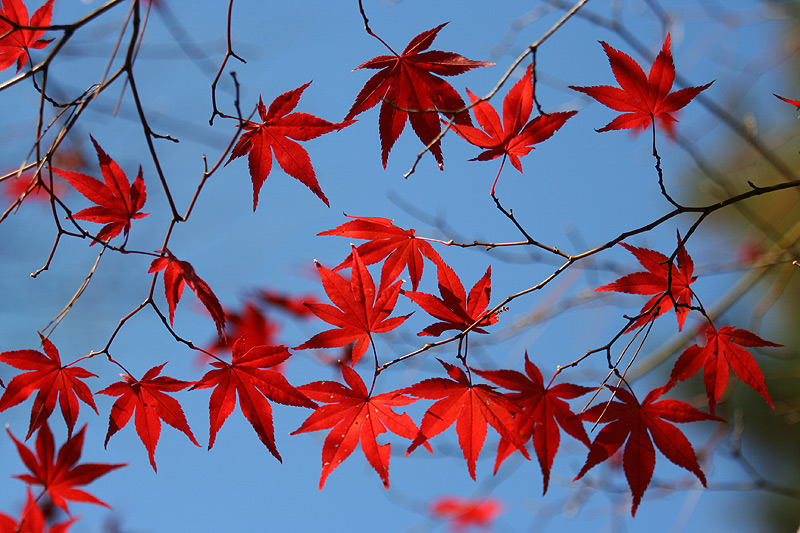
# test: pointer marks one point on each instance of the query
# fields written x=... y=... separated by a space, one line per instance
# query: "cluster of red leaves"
x=16 y=43
x=275 y=133
x=409 y=87
x=642 y=98
x=463 y=513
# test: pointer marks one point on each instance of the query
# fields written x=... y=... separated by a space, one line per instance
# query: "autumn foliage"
x=366 y=318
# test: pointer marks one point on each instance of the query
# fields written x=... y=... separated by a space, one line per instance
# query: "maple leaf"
x=354 y=415
x=275 y=134
x=52 y=380
x=471 y=406
x=642 y=97
x=408 y=86
x=515 y=136
x=146 y=399
x=32 y=520
x=358 y=310
x=455 y=309
x=722 y=353
x=16 y=43
x=59 y=474
x=628 y=420
x=118 y=202
x=462 y=513
x=176 y=274
x=657 y=281
x=543 y=411
x=795 y=103
x=401 y=248
x=248 y=375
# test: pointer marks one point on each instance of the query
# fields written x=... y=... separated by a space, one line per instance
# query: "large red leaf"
x=146 y=399
x=455 y=309
x=401 y=248
x=59 y=475
x=176 y=274
x=354 y=415
x=15 y=45
x=642 y=97
x=628 y=420
x=658 y=280
x=722 y=353
x=118 y=202
x=514 y=136
x=249 y=377
x=409 y=87
x=543 y=411
x=471 y=407
x=52 y=380
x=359 y=310
x=275 y=133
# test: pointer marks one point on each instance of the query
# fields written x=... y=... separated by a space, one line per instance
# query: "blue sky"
x=579 y=190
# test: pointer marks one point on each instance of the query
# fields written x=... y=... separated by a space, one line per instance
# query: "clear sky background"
x=580 y=189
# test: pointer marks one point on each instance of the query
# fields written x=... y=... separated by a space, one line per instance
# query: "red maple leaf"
x=660 y=280
x=642 y=98
x=358 y=310
x=178 y=273
x=52 y=380
x=59 y=474
x=543 y=411
x=248 y=375
x=463 y=513
x=515 y=136
x=147 y=399
x=14 y=46
x=275 y=134
x=455 y=309
x=353 y=414
x=32 y=520
x=628 y=420
x=409 y=86
x=722 y=353
x=118 y=202
x=401 y=248
x=471 y=406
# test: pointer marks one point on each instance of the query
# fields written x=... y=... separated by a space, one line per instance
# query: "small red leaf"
x=275 y=134
x=146 y=399
x=642 y=97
